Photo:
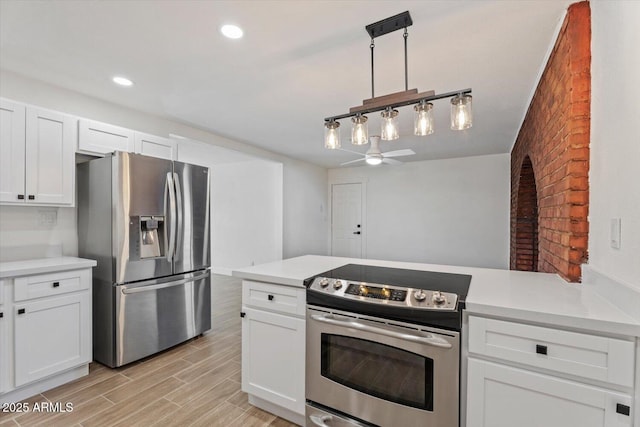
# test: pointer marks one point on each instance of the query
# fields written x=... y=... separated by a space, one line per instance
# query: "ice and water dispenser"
x=151 y=229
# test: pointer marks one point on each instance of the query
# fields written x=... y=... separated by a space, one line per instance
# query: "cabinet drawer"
x=278 y=298
x=589 y=356
x=44 y=285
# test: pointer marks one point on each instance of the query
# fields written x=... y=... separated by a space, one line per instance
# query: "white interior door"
x=346 y=220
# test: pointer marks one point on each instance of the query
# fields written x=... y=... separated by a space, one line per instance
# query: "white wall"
x=303 y=186
x=248 y=229
x=305 y=210
x=453 y=211
x=614 y=175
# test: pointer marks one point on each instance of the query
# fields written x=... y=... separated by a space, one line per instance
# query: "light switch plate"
x=615 y=233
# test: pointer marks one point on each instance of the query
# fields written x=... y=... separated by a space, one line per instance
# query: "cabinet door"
x=103 y=138
x=51 y=335
x=156 y=146
x=273 y=360
x=50 y=159
x=4 y=344
x=501 y=396
x=12 y=128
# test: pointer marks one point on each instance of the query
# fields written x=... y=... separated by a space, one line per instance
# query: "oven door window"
x=378 y=370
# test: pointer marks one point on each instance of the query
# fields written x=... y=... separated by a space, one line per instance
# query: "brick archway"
x=526 y=244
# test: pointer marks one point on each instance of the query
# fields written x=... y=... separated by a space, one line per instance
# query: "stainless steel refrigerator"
x=146 y=221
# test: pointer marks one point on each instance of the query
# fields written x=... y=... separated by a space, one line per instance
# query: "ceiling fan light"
x=423 y=123
x=332 y=135
x=389 y=128
x=461 y=113
x=359 y=130
x=374 y=160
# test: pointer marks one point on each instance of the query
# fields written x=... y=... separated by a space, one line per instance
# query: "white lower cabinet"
x=273 y=348
x=272 y=362
x=4 y=341
x=502 y=396
x=51 y=335
x=45 y=331
x=539 y=376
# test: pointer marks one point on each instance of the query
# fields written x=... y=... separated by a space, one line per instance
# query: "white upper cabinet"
x=50 y=166
x=38 y=163
x=103 y=138
x=156 y=146
x=12 y=151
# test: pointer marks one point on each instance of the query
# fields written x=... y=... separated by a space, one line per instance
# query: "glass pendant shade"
x=332 y=135
x=461 y=114
x=359 y=130
x=423 y=122
x=389 y=128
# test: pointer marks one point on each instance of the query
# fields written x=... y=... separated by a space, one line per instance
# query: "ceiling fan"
x=374 y=156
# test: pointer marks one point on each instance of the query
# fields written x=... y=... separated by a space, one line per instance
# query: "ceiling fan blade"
x=398 y=153
x=352 y=161
x=391 y=161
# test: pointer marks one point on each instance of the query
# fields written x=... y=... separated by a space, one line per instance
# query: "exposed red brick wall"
x=525 y=238
x=555 y=137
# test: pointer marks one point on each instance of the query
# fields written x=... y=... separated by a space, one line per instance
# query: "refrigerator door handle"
x=147 y=288
x=180 y=208
x=172 y=217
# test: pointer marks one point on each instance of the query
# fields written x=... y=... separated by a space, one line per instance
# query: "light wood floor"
x=194 y=384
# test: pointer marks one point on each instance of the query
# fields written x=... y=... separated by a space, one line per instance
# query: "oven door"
x=382 y=372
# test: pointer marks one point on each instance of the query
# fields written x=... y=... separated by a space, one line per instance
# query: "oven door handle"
x=429 y=340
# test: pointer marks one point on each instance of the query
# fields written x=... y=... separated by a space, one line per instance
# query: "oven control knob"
x=324 y=282
x=420 y=295
x=438 y=298
x=337 y=284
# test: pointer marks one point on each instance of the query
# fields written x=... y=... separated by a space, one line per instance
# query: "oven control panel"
x=386 y=294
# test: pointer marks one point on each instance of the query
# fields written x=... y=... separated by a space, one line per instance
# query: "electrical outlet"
x=615 y=233
x=47 y=218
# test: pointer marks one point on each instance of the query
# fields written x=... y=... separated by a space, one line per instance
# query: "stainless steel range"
x=383 y=347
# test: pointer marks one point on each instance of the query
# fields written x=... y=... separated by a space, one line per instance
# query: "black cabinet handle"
x=56 y=284
x=21 y=311
x=20 y=196
x=271 y=297
x=356 y=232
x=32 y=197
x=541 y=349
x=623 y=409
x=242 y=314
x=1 y=315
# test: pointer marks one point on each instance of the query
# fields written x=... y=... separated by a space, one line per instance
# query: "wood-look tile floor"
x=194 y=384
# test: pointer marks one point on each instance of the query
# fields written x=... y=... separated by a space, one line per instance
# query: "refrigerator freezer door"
x=157 y=314
x=141 y=194
x=192 y=194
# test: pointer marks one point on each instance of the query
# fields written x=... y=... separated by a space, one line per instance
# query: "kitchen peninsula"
x=562 y=347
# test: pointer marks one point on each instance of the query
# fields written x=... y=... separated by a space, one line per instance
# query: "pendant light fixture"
x=461 y=114
x=332 y=135
x=423 y=122
x=359 y=130
x=389 y=128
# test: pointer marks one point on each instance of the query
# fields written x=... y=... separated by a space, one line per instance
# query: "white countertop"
x=43 y=265
x=533 y=297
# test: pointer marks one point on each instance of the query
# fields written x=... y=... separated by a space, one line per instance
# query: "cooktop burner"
x=424 y=297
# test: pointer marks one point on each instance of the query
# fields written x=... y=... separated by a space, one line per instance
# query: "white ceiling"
x=299 y=62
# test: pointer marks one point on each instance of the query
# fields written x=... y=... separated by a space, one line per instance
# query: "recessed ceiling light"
x=231 y=31
x=122 y=81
